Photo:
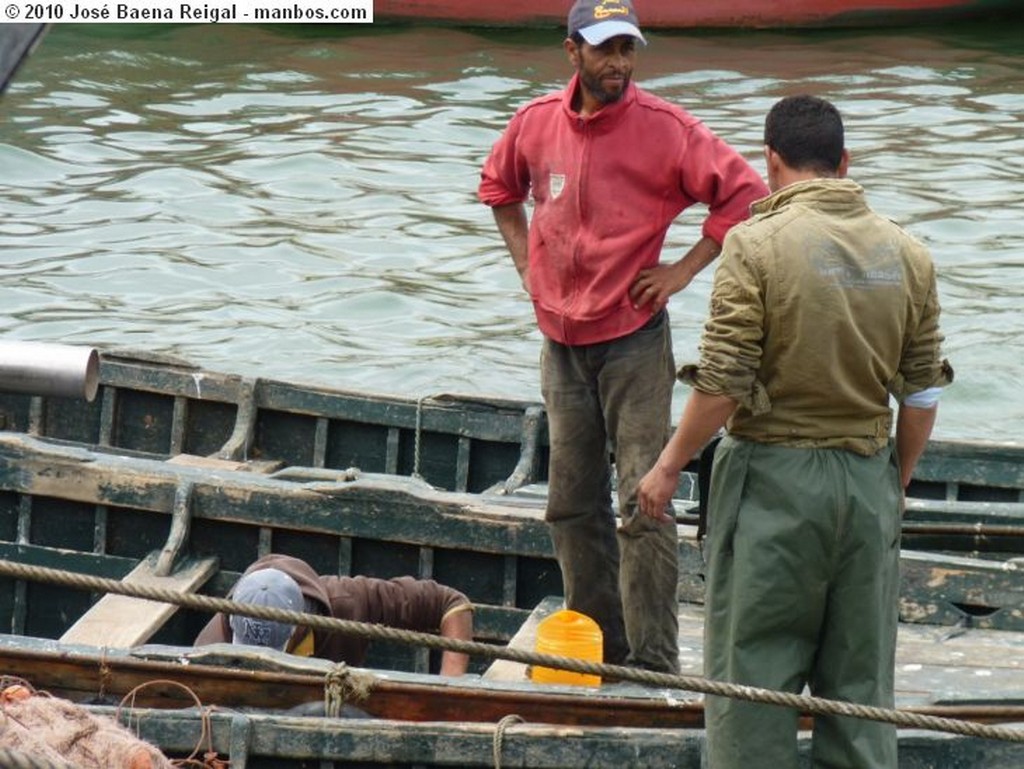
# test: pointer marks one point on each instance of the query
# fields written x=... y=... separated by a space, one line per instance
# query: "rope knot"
x=341 y=685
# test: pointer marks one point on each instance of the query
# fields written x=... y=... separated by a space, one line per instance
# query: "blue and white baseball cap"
x=599 y=20
x=271 y=588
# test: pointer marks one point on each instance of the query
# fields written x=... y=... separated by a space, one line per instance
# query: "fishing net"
x=58 y=731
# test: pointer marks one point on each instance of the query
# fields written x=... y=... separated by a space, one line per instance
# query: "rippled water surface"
x=299 y=202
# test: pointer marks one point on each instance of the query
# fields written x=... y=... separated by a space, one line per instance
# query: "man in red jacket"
x=284 y=582
x=609 y=167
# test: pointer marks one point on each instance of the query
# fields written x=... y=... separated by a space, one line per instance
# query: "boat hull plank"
x=496 y=549
x=291 y=743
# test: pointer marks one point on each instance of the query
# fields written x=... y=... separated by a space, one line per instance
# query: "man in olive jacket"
x=822 y=313
x=290 y=583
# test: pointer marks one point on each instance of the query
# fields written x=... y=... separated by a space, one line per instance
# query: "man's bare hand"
x=655 y=285
x=655 y=491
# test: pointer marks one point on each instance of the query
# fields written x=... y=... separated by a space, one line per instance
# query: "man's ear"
x=572 y=51
x=844 y=165
x=773 y=167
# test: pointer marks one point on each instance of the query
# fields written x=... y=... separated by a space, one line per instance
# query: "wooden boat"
x=193 y=463
x=183 y=476
x=671 y=14
x=267 y=709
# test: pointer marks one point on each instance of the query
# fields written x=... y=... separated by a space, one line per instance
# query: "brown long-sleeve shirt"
x=402 y=602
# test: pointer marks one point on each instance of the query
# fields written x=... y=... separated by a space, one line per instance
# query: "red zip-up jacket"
x=605 y=189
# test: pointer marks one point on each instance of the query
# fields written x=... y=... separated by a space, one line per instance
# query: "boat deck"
x=935 y=665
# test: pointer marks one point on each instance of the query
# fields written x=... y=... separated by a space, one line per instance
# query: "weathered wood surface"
x=82 y=672
x=525 y=639
x=370 y=505
x=934 y=665
x=165 y=406
x=298 y=743
x=121 y=622
x=976 y=675
x=427 y=721
x=496 y=549
x=957 y=590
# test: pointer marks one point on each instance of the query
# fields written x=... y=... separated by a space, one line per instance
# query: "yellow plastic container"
x=567 y=633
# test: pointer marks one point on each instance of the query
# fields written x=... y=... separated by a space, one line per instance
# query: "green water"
x=299 y=202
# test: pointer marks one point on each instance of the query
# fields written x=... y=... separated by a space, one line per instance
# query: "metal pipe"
x=39 y=368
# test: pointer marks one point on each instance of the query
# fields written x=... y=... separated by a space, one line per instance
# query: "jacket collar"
x=820 y=190
x=606 y=116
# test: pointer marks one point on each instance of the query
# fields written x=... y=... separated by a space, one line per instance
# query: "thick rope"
x=417 y=438
x=205 y=731
x=499 y=735
x=343 y=684
x=807 y=704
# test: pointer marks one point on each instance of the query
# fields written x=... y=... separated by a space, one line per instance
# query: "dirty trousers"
x=613 y=397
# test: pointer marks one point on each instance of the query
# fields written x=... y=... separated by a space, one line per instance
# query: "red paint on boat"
x=683 y=14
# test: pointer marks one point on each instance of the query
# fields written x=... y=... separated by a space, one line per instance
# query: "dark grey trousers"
x=614 y=396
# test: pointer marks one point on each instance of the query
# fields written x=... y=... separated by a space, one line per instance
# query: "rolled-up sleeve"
x=923 y=366
x=731 y=344
x=505 y=178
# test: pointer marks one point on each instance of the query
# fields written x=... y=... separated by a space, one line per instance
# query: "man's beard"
x=595 y=89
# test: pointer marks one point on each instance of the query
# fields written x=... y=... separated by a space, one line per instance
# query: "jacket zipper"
x=581 y=199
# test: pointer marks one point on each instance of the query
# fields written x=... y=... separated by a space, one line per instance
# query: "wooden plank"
x=120 y=622
x=972 y=471
x=525 y=640
x=386 y=508
x=293 y=743
x=207 y=463
x=974 y=463
x=235 y=677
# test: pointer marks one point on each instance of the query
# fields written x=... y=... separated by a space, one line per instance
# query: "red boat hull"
x=688 y=14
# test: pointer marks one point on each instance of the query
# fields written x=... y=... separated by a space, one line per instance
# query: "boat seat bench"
x=525 y=639
x=121 y=622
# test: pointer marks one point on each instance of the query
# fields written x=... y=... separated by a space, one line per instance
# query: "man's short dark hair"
x=807 y=133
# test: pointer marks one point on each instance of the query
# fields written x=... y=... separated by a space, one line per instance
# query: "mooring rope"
x=805 y=703
x=342 y=684
x=418 y=438
x=499 y=735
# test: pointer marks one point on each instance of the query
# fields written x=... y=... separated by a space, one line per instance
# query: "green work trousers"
x=803 y=580
x=614 y=396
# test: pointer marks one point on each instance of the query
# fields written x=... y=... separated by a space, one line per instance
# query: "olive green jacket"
x=820 y=310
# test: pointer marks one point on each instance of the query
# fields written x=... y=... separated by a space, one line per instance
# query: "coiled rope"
x=805 y=703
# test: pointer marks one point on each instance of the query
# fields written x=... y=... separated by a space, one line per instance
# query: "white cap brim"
x=596 y=34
